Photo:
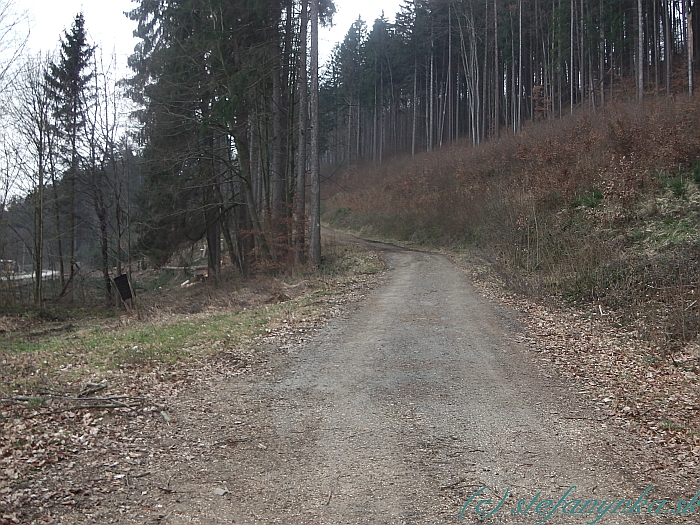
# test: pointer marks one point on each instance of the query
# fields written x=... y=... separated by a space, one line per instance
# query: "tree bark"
x=315 y=241
x=415 y=108
x=668 y=48
x=640 y=52
x=689 y=44
x=300 y=202
x=497 y=75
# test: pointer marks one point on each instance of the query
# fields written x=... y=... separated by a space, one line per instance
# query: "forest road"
x=397 y=412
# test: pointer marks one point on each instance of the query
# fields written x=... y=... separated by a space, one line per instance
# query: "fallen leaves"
x=622 y=374
x=90 y=449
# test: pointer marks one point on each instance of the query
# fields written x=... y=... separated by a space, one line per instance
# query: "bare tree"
x=14 y=33
x=31 y=112
x=101 y=165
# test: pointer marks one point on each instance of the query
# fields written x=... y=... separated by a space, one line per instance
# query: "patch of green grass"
x=670 y=231
x=694 y=171
x=671 y=426
x=678 y=186
x=588 y=198
x=36 y=403
x=340 y=214
x=55 y=313
x=651 y=360
x=163 y=341
x=676 y=183
x=97 y=346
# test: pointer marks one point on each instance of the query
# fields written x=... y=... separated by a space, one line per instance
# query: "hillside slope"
x=600 y=208
x=588 y=228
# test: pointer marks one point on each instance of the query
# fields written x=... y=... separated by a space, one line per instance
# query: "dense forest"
x=234 y=116
x=451 y=69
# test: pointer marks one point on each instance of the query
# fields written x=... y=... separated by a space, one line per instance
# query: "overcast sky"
x=108 y=27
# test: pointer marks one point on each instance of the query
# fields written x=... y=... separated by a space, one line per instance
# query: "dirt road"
x=395 y=413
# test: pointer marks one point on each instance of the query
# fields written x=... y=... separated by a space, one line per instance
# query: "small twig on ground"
x=453 y=485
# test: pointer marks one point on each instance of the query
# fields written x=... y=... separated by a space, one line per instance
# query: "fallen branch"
x=29 y=399
x=96 y=406
x=75 y=403
x=92 y=388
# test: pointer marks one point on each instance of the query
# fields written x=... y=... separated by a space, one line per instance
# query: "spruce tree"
x=68 y=81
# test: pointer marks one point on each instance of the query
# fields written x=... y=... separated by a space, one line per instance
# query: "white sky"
x=108 y=27
x=346 y=12
x=104 y=20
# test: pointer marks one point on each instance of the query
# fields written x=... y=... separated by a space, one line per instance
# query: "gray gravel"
x=397 y=412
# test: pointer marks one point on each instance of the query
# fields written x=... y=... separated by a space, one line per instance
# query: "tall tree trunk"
x=640 y=52
x=657 y=48
x=484 y=93
x=601 y=52
x=117 y=190
x=300 y=197
x=375 y=145
x=315 y=167
x=39 y=224
x=277 y=166
x=415 y=108
x=518 y=120
x=101 y=211
x=57 y=217
x=212 y=217
x=498 y=79
x=449 y=95
x=431 y=117
x=689 y=44
x=381 y=117
x=250 y=220
x=668 y=46
x=572 y=84
x=72 y=189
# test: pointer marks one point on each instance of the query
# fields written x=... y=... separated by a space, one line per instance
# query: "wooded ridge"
x=235 y=118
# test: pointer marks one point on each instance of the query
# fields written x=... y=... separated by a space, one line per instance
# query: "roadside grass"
x=88 y=348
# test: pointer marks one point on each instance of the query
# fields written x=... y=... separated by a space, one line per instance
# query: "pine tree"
x=68 y=81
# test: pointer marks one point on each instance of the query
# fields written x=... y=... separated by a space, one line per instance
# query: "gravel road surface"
x=397 y=412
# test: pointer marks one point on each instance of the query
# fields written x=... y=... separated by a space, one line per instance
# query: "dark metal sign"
x=122 y=283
